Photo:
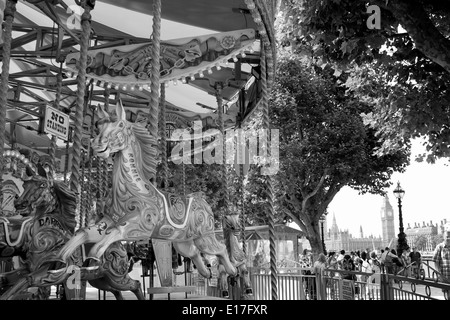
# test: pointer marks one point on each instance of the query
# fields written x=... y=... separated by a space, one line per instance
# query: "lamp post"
x=322 y=220
x=402 y=244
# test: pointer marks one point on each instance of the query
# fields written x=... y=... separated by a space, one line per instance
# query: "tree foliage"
x=402 y=70
x=324 y=145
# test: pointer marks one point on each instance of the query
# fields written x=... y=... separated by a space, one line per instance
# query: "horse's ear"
x=41 y=171
x=29 y=171
x=101 y=112
x=120 y=111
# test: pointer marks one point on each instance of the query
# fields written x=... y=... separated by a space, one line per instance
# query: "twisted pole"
x=268 y=179
x=52 y=151
x=154 y=76
x=162 y=134
x=9 y=12
x=219 y=99
x=83 y=189
x=242 y=196
x=81 y=91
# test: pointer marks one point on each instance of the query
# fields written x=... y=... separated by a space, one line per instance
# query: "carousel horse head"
x=113 y=132
x=41 y=195
x=37 y=193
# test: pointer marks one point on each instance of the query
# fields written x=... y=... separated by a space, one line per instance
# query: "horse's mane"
x=68 y=202
x=148 y=151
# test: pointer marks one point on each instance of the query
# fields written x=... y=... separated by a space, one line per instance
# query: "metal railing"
x=299 y=284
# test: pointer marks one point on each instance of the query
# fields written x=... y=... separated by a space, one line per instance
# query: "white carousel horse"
x=139 y=211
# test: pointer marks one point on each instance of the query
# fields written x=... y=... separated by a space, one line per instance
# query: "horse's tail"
x=81 y=237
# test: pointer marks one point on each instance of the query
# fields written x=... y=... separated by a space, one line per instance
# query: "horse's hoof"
x=225 y=294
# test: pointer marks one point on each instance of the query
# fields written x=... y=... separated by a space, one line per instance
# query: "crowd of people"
x=373 y=264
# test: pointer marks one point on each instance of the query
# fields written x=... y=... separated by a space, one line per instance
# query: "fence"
x=299 y=284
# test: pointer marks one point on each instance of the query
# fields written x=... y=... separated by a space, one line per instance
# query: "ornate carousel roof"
x=219 y=45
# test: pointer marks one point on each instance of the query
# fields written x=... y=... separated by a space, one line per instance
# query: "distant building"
x=336 y=240
x=427 y=231
x=387 y=222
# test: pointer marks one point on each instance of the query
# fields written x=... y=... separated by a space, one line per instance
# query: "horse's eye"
x=120 y=124
x=43 y=185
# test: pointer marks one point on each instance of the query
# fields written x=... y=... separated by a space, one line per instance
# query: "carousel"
x=98 y=100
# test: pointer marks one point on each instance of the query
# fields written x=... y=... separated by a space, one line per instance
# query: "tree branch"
x=316 y=189
x=427 y=38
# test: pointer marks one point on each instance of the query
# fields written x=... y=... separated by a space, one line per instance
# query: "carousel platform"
x=179 y=292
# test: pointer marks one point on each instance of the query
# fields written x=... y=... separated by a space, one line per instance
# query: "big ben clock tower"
x=387 y=221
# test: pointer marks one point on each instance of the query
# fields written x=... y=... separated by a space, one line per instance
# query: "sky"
x=426 y=192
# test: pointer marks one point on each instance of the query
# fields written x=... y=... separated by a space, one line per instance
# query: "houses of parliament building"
x=337 y=239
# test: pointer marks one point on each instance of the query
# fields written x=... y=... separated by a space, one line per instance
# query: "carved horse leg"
x=116 y=286
x=102 y=284
x=243 y=272
x=189 y=250
x=223 y=279
x=208 y=244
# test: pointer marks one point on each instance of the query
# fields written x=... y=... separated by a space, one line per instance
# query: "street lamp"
x=322 y=220
x=402 y=245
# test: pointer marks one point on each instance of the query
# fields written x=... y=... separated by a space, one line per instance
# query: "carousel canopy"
x=203 y=43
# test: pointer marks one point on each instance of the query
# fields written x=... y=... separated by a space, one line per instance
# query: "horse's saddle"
x=177 y=208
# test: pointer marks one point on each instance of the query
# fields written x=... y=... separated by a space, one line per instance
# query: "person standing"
x=416 y=260
x=384 y=253
x=332 y=264
x=318 y=268
x=406 y=262
x=441 y=256
x=374 y=279
x=367 y=268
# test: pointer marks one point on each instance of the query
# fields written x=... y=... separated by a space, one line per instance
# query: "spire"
x=334 y=228
x=386 y=207
x=361 y=235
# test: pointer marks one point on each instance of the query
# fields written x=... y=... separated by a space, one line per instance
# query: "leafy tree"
x=324 y=145
x=402 y=70
x=435 y=240
x=420 y=242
